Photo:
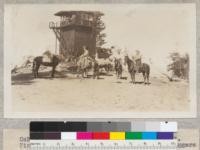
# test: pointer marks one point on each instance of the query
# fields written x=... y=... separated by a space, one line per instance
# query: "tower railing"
x=66 y=23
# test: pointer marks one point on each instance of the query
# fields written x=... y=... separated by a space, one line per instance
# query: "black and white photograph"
x=97 y=60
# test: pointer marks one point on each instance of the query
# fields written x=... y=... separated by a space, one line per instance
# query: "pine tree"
x=98 y=27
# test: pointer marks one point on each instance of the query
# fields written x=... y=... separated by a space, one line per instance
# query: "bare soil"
x=68 y=93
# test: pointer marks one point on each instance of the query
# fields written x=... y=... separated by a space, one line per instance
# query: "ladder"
x=60 y=38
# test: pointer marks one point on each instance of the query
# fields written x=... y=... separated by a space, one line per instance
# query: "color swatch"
x=104 y=130
x=101 y=135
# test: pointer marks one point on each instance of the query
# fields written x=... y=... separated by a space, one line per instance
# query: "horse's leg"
x=121 y=73
x=82 y=73
x=94 y=74
x=53 y=71
x=147 y=74
x=148 y=78
x=35 y=73
x=107 y=69
x=133 y=77
x=117 y=73
x=86 y=72
x=33 y=69
x=144 y=76
x=97 y=74
x=37 y=70
x=78 y=71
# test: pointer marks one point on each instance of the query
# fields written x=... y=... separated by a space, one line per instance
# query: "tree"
x=99 y=26
x=179 y=65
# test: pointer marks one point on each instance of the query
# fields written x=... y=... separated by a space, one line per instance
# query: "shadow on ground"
x=22 y=79
x=27 y=78
x=140 y=82
x=105 y=74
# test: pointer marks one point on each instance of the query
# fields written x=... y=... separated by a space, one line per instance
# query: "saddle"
x=138 y=65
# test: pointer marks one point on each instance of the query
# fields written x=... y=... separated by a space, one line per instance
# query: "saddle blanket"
x=46 y=59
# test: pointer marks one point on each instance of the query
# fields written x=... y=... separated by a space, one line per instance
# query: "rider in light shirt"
x=84 y=58
x=85 y=52
x=138 y=60
x=118 y=55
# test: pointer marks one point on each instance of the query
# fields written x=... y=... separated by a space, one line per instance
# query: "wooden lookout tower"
x=75 y=30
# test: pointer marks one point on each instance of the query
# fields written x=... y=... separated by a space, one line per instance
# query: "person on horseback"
x=84 y=58
x=85 y=61
x=118 y=63
x=118 y=56
x=138 y=60
x=85 y=52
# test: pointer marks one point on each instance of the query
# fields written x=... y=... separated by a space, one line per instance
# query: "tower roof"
x=69 y=13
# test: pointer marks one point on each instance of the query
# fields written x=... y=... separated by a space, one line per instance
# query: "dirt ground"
x=67 y=93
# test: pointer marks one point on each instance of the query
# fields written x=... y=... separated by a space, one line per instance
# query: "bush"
x=179 y=65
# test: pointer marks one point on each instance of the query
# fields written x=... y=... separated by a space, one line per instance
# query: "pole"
x=56 y=46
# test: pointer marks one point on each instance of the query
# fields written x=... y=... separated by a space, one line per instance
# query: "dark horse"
x=144 y=69
x=118 y=68
x=38 y=61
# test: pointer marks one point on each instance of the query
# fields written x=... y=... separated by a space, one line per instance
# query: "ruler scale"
x=102 y=144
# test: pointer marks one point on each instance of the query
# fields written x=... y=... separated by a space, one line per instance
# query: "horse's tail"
x=148 y=70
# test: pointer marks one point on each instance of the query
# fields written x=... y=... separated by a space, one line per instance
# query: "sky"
x=154 y=29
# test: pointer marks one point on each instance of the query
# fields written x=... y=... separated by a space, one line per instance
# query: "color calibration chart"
x=103 y=135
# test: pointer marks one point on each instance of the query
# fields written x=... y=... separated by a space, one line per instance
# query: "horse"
x=144 y=69
x=118 y=68
x=38 y=61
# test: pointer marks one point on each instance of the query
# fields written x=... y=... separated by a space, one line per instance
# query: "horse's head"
x=61 y=58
